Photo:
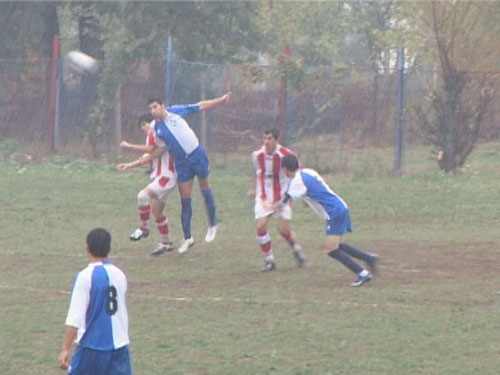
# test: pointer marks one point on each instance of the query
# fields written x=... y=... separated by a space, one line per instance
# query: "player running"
x=308 y=185
x=270 y=185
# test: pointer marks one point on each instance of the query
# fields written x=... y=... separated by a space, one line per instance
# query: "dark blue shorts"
x=196 y=164
x=339 y=223
x=87 y=361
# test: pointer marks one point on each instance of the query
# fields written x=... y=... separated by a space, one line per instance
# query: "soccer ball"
x=82 y=63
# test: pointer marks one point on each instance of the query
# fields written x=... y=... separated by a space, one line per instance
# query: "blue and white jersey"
x=180 y=139
x=184 y=109
x=310 y=186
x=98 y=307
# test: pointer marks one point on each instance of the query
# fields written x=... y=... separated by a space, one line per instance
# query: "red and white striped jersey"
x=164 y=165
x=271 y=179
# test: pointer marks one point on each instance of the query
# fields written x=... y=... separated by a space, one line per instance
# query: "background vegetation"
x=341 y=69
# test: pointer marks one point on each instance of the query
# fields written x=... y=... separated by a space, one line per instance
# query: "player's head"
x=144 y=122
x=290 y=164
x=156 y=108
x=270 y=140
x=99 y=242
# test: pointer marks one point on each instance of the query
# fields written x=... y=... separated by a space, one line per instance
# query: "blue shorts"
x=87 y=361
x=196 y=164
x=339 y=223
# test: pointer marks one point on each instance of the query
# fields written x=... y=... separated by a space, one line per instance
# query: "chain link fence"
x=356 y=105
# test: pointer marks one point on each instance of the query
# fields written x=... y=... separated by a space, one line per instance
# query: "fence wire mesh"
x=358 y=105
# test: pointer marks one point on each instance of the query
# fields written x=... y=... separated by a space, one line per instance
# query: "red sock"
x=162 y=225
x=144 y=212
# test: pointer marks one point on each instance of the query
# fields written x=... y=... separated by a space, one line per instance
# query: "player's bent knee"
x=143 y=198
x=263 y=239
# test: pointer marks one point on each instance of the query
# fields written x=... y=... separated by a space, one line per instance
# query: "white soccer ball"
x=82 y=63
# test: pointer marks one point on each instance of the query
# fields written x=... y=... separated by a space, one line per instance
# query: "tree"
x=121 y=35
x=462 y=35
x=373 y=21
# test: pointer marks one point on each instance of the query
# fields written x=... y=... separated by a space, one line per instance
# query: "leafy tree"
x=373 y=22
x=462 y=36
x=28 y=28
x=123 y=32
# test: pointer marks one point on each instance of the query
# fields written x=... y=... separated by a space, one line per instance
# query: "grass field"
x=434 y=309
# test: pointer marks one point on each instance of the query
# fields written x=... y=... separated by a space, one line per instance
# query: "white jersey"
x=179 y=138
x=310 y=186
x=270 y=177
x=98 y=308
x=162 y=166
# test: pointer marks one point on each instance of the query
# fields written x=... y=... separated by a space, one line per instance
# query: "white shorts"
x=261 y=211
x=162 y=186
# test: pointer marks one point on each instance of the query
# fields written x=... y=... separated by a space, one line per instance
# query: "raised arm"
x=209 y=104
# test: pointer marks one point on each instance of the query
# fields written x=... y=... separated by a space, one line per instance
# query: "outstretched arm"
x=138 y=148
x=209 y=104
x=156 y=153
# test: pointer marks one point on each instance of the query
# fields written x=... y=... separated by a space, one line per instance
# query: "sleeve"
x=286 y=151
x=297 y=189
x=150 y=140
x=80 y=298
x=254 y=161
x=185 y=109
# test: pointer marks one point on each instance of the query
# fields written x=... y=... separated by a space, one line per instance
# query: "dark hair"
x=99 y=242
x=274 y=132
x=290 y=162
x=155 y=100
x=144 y=118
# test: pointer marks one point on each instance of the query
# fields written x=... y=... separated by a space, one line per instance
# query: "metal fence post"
x=168 y=72
x=398 y=142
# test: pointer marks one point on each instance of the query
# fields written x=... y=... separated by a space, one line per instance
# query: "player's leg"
x=370 y=259
x=185 y=190
x=201 y=167
x=185 y=176
x=163 y=187
x=334 y=230
x=289 y=236
x=157 y=207
x=144 y=204
x=206 y=191
x=333 y=242
x=264 y=240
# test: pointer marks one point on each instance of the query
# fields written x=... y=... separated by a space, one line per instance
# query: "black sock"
x=346 y=260
x=355 y=252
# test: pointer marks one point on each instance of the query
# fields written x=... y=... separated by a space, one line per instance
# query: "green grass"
x=433 y=310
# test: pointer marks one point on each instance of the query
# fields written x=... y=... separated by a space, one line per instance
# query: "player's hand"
x=277 y=206
x=251 y=193
x=124 y=144
x=122 y=167
x=63 y=360
x=225 y=98
x=268 y=206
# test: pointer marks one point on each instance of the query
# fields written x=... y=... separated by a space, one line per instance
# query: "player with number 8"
x=97 y=319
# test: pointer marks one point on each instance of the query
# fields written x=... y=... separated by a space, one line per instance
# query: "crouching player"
x=153 y=197
x=308 y=185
